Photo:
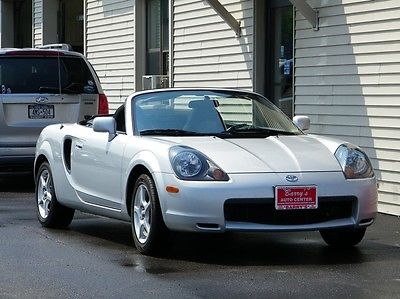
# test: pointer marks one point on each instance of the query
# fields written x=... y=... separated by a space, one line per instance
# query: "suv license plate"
x=296 y=197
x=40 y=111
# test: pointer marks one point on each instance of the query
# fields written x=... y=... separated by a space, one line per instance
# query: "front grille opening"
x=262 y=211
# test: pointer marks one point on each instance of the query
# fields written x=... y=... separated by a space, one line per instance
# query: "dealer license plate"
x=296 y=197
x=40 y=111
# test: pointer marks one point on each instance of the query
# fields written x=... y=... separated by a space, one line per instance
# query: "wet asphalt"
x=96 y=257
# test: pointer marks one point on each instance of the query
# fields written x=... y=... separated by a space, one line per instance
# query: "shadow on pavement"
x=240 y=249
x=17 y=183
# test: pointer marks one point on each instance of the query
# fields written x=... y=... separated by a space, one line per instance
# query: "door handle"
x=78 y=146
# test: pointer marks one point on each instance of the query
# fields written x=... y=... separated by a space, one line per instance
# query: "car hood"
x=304 y=153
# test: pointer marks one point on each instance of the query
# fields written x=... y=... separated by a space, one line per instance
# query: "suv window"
x=40 y=75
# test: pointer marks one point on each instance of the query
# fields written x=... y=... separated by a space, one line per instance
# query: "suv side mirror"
x=106 y=124
x=302 y=122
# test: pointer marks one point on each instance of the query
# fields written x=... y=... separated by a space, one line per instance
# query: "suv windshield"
x=41 y=75
x=226 y=114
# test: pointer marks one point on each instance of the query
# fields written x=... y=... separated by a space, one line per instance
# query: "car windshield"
x=226 y=114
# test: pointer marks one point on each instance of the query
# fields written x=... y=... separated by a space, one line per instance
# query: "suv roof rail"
x=66 y=47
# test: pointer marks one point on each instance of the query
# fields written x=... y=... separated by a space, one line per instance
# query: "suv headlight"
x=354 y=162
x=190 y=164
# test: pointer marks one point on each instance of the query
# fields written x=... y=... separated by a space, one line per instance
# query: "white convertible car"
x=204 y=160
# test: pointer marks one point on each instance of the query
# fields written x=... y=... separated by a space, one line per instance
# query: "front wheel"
x=343 y=237
x=50 y=212
x=148 y=228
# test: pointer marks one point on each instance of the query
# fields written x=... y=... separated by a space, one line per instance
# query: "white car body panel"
x=272 y=154
x=100 y=170
x=202 y=202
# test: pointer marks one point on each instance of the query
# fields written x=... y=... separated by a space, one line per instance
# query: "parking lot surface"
x=96 y=257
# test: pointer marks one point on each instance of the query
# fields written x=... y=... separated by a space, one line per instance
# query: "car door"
x=96 y=166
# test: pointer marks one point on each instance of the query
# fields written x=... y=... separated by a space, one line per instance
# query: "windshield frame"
x=176 y=92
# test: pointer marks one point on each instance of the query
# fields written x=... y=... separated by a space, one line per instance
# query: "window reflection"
x=283 y=59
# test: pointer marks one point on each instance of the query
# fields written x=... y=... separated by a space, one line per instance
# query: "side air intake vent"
x=67 y=154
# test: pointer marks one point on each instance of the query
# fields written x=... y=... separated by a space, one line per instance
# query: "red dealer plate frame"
x=296 y=197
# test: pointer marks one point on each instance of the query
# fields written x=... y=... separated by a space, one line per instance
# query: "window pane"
x=165 y=26
x=34 y=75
x=157 y=18
x=153 y=24
x=283 y=59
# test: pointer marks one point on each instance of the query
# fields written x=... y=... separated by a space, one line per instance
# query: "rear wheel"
x=50 y=212
x=343 y=237
x=148 y=227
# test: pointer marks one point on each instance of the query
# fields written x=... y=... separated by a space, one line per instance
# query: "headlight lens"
x=189 y=164
x=354 y=162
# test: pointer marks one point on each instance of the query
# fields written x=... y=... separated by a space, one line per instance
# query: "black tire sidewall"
x=343 y=237
x=59 y=216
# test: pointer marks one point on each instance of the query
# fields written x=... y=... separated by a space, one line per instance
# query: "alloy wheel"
x=142 y=213
x=44 y=196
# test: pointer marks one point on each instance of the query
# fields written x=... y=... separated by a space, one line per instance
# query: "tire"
x=49 y=211
x=343 y=237
x=148 y=228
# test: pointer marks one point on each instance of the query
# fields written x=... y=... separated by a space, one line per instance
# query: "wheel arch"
x=43 y=154
x=39 y=161
x=142 y=162
x=134 y=174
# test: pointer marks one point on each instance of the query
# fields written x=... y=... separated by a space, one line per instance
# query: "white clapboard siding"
x=206 y=51
x=110 y=44
x=37 y=15
x=347 y=80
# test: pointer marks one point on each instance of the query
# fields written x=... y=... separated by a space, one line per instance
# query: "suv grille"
x=262 y=211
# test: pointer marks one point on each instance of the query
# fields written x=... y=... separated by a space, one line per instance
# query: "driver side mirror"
x=302 y=122
x=106 y=124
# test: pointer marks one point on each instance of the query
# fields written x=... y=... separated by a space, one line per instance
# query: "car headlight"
x=354 y=162
x=189 y=164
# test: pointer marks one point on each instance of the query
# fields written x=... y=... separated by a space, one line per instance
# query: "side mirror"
x=302 y=122
x=106 y=124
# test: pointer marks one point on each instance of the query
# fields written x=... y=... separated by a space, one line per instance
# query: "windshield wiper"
x=245 y=128
x=56 y=89
x=171 y=132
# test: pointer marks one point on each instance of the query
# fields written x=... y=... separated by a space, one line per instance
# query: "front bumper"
x=202 y=206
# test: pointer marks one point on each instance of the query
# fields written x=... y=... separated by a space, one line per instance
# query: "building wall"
x=44 y=19
x=206 y=51
x=347 y=79
x=37 y=20
x=110 y=46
